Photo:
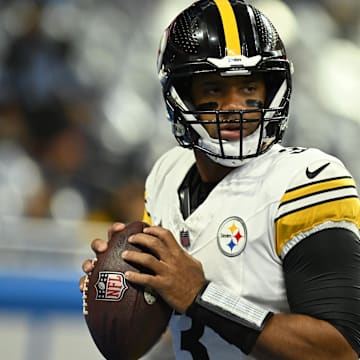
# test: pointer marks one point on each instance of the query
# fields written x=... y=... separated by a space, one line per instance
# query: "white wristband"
x=246 y=312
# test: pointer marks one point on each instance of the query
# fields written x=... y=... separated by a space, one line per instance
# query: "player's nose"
x=233 y=100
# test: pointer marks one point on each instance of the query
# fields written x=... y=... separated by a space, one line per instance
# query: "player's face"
x=213 y=92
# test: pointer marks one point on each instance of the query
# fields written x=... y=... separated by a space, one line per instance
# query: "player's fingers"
x=143 y=259
x=152 y=243
x=141 y=279
x=88 y=265
x=118 y=226
x=163 y=234
x=99 y=245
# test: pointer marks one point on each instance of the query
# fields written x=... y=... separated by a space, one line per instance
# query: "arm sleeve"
x=322 y=277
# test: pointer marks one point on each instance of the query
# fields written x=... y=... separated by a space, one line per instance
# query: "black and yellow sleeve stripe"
x=305 y=207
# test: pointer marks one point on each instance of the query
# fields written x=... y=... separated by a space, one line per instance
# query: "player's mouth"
x=232 y=132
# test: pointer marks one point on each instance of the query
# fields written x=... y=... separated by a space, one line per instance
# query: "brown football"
x=124 y=320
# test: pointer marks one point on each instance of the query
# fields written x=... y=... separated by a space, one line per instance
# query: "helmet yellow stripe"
x=231 y=31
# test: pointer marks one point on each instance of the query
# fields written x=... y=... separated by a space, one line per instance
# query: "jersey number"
x=190 y=341
x=297 y=150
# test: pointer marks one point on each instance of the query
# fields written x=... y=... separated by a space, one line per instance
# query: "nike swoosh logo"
x=313 y=174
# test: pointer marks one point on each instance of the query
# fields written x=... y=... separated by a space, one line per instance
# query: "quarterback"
x=255 y=245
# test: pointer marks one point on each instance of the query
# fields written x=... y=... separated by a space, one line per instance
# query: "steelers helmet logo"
x=232 y=236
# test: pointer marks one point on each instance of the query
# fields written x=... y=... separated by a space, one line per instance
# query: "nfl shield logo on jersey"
x=185 y=238
x=231 y=236
x=110 y=286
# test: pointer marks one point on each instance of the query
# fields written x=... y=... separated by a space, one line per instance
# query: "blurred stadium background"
x=82 y=121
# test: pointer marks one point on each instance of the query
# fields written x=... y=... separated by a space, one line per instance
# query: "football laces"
x=84 y=295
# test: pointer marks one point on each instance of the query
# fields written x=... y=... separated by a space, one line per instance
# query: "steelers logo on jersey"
x=231 y=236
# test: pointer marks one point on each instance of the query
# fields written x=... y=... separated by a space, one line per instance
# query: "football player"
x=255 y=245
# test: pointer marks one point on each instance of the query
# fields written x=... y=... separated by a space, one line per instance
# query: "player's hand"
x=98 y=246
x=177 y=276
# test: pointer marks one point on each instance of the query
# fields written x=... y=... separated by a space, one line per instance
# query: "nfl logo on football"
x=111 y=286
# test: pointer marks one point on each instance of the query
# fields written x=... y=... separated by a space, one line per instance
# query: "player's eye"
x=250 y=88
x=211 y=90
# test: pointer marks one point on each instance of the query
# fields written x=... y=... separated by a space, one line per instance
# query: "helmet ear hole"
x=183 y=131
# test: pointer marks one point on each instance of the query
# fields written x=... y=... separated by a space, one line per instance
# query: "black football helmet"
x=230 y=38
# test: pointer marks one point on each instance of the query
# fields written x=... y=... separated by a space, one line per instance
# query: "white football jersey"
x=246 y=226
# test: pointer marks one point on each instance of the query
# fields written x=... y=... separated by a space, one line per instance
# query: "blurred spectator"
x=57 y=143
x=12 y=127
x=36 y=65
x=59 y=146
